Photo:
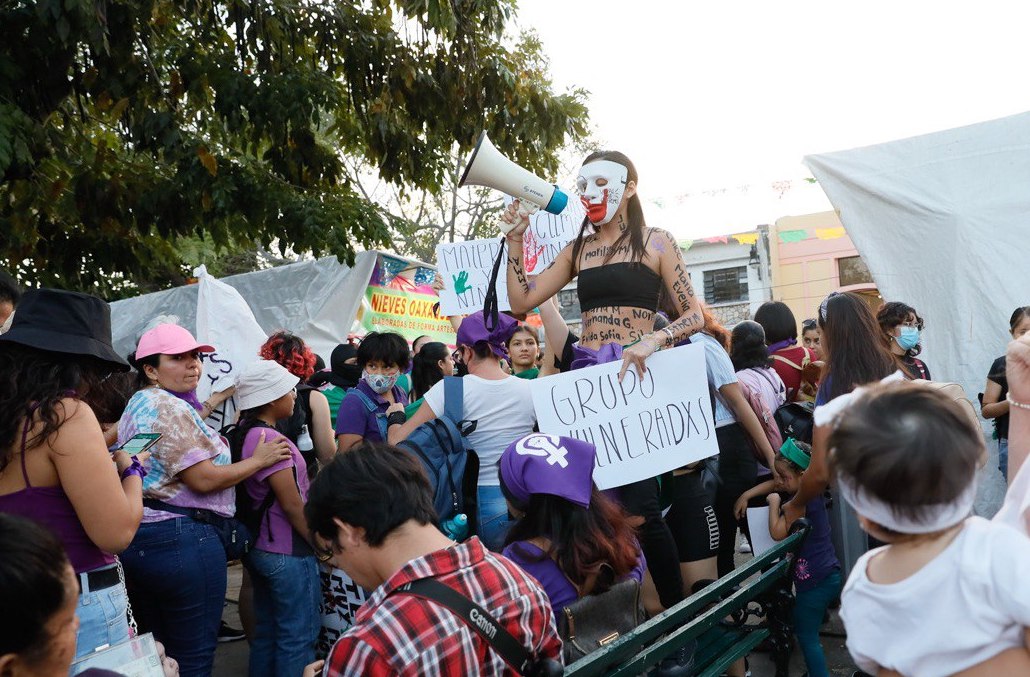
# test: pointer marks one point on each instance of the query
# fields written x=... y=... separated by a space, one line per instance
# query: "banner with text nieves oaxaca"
x=640 y=427
x=465 y=268
x=400 y=298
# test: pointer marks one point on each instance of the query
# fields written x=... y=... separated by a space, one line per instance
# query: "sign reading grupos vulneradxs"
x=640 y=428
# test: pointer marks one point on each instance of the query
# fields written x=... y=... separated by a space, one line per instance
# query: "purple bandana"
x=548 y=464
x=588 y=357
x=780 y=345
x=473 y=330
x=189 y=397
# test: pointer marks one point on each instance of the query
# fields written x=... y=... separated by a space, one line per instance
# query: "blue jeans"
x=102 y=618
x=175 y=570
x=809 y=610
x=1003 y=457
x=287 y=592
x=493 y=517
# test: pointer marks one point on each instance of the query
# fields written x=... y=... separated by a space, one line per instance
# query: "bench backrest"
x=652 y=641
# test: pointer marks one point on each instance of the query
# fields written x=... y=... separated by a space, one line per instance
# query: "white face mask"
x=601 y=185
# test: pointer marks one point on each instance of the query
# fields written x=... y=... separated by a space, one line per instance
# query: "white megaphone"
x=487 y=167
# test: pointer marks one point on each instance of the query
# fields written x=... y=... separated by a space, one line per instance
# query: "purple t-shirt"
x=354 y=418
x=817 y=558
x=559 y=589
x=276 y=533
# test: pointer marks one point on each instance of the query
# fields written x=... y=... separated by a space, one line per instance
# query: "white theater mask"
x=601 y=185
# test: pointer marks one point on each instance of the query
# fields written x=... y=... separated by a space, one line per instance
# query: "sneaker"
x=744 y=546
x=227 y=634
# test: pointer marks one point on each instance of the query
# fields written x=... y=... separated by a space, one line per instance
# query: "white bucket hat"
x=262 y=382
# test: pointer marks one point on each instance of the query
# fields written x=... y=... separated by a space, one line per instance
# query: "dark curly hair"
x=290 y=351
x=33 y=383
x=893 y=313
x=747 y=346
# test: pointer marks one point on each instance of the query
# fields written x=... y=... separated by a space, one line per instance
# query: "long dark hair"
x=425 y=368
x=590 y=545
x=1017 y=316
x=747 y=346
x=635 y=232
x=853 y=346
x=39 y=379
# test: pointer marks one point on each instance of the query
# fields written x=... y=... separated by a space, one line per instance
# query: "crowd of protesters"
x=318 y=474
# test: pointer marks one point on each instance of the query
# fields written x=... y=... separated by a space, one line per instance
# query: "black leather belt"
x=99 y=579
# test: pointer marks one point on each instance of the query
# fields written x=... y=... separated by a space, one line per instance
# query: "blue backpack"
x=453 y=469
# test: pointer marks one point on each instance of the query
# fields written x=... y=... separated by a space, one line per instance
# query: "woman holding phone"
x=623 y=266
x=175 y=566
x=54 y=464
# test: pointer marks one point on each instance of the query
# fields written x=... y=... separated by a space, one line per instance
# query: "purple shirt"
x=354 y=418
x=817 y=558
x=559 y=589
x=276 y=534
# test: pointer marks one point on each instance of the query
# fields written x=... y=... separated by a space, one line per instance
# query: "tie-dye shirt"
x=185 y=441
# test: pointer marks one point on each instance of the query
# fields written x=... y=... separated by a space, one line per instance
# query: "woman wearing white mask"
x=622 y=266
x=901 y=326
x=382 y=358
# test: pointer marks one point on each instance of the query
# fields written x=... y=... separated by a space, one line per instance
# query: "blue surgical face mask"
x=909 y=338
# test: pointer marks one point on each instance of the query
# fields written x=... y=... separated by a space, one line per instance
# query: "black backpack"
x=795 y=419
x=246 y=512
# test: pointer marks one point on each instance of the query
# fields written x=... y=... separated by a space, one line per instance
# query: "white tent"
x=318 y=300
x=943 y=221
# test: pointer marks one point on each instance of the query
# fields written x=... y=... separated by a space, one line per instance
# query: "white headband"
x=937 y=517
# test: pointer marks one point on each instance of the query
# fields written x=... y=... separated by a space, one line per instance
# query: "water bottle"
x=457 y=527
x=304 y=443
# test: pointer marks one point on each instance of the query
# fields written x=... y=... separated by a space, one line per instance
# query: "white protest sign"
x=225 y=321
x=641 y=428
x=758 y=525
x=548 y=234
x=465 y=268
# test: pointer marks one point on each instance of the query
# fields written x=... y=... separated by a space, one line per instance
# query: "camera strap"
x=477 y=618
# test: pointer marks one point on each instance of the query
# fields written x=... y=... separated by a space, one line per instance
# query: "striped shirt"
x=401 y=634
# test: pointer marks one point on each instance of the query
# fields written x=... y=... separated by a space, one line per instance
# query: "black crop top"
x=626 y=283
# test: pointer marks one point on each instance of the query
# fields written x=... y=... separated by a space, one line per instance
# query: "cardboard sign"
x=548 y=234
x=465 y=268
x=641 y=428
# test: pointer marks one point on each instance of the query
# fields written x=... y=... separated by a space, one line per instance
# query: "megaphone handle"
x=491 y=312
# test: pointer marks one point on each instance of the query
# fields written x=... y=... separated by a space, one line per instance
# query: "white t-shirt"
x=503 y=411
x=967 y=605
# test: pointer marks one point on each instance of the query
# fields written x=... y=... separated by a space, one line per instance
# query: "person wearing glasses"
x=382 y=358
x=901 y=326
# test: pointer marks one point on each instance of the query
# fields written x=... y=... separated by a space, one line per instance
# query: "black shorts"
x=691 y=518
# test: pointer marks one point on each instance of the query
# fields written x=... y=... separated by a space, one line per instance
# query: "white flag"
x=225 y=321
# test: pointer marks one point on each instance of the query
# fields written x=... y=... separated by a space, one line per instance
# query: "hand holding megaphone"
x=515 y=217
x=487 y=167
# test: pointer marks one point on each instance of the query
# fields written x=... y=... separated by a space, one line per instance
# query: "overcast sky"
x=718 y=95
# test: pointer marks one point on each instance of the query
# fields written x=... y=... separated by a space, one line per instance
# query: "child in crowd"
x=817 y=578
x=948 y=591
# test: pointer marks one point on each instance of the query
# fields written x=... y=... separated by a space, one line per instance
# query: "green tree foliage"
x=128 y=125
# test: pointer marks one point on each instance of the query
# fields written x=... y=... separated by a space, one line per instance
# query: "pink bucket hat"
x=169 y=339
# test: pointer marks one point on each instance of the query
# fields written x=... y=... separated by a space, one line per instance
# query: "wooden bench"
x=716 y=617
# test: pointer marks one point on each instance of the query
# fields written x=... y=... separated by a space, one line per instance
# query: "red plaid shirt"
x=407 y=635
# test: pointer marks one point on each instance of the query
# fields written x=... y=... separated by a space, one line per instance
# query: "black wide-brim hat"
x=65 y=322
